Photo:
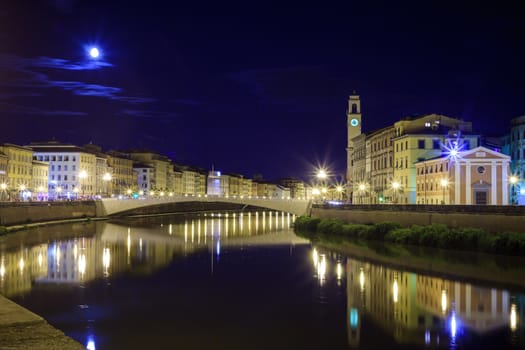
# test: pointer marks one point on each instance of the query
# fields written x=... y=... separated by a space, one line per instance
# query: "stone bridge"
x=114 y=206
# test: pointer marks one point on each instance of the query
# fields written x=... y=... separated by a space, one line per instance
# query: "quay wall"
x=490 y=218
x=14 y=213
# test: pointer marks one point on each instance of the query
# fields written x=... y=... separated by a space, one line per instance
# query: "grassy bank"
x=437 y=236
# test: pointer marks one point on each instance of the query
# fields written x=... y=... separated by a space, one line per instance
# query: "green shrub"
x=306 y=224
x=380 y=230
x=330 y=226
x=400 y=235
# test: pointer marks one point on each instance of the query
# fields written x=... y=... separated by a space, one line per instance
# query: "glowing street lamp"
x=513 y=180
x=3 y=186
x=82 y=175
x=321 y=174
x=107 y=178
x=444 y=184
x=395 y=187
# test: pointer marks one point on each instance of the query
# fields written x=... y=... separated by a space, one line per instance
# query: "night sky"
x=254 y=87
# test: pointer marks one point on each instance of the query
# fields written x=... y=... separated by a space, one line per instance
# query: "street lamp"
x=83 y=175
x=395 y=187
x=106 y=178
x=513 y=180
x=444 y=184
x=321 y=174
x=362 y=188
x=339 y=190
x=76 y=192
x=3 y=186
x=128 y=192
x=58 y=190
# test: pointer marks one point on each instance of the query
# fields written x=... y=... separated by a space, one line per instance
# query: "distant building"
x=214 y=183
x=40 y=178
x=19 y=166
x=297 y=187
x=72 y=169
x=145 y=178
x=514 y=146
x=160 y=166
x=3 y=177
x=120 y=166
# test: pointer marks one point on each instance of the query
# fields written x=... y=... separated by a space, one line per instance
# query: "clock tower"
x=353 y=125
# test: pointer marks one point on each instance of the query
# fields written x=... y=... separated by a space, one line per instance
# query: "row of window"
x=56 y=158
x=436 y=168
x=60 y=167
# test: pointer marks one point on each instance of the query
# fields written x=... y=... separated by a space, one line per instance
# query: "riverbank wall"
x=20 y=213
x=490 y=218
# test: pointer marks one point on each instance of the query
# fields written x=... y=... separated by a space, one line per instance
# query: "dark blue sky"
x=252 y=87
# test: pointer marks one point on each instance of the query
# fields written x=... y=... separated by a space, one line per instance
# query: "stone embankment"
x=22 y=329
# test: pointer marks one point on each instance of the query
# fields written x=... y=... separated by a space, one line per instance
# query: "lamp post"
x=513 y=180
x=339 y=190
x=82 y=176
x=58 y=190
x=444 y=184
x=3 y=186
x=395 y=187
x=22 y=189
x=362 y=188
x=107 y=179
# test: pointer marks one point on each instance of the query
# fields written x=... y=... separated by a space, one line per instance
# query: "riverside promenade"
x=22 y=329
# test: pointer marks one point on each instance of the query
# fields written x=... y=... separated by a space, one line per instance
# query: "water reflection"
x=421 y=310
x=142 y=247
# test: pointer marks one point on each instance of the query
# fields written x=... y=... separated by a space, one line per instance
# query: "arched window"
x=354 y=108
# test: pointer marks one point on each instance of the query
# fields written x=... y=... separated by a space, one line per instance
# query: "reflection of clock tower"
x=353 y=125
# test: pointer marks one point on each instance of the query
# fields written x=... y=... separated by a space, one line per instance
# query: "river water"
x=242 y=281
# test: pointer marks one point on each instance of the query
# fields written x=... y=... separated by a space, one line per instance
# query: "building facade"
x=19 y=166
x=478 y=176
x=72 y=169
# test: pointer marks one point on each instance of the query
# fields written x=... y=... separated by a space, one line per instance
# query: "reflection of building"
x=480 y=309
x=141 y=249
x=19 y=268
x=417 y=309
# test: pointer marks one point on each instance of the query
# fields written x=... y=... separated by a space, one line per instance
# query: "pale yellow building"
x=40 y=176
x=19 y=165
x=419 y=139
x=120 y=166
x=161 y=167
x=3 y=177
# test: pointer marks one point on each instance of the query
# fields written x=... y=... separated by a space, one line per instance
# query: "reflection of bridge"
x=112 y=206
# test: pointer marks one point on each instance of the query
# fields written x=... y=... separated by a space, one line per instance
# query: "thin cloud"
x=22 y=74
x=147 y=114
x=59 y=63
x=17 y=109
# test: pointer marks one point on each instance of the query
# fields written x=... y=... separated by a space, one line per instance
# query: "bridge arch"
x=114 y=206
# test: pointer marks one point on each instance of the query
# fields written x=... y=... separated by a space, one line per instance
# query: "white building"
x=72 y=169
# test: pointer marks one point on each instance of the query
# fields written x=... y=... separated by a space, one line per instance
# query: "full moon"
x=94 y=52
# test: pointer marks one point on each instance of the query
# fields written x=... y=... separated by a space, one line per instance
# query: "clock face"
x=354 y=122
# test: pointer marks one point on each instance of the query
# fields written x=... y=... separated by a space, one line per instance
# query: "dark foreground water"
x=232 y=281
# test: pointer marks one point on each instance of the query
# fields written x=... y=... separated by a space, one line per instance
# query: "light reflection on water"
x=117 y=248
x=423 y=310
x=412 y=309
